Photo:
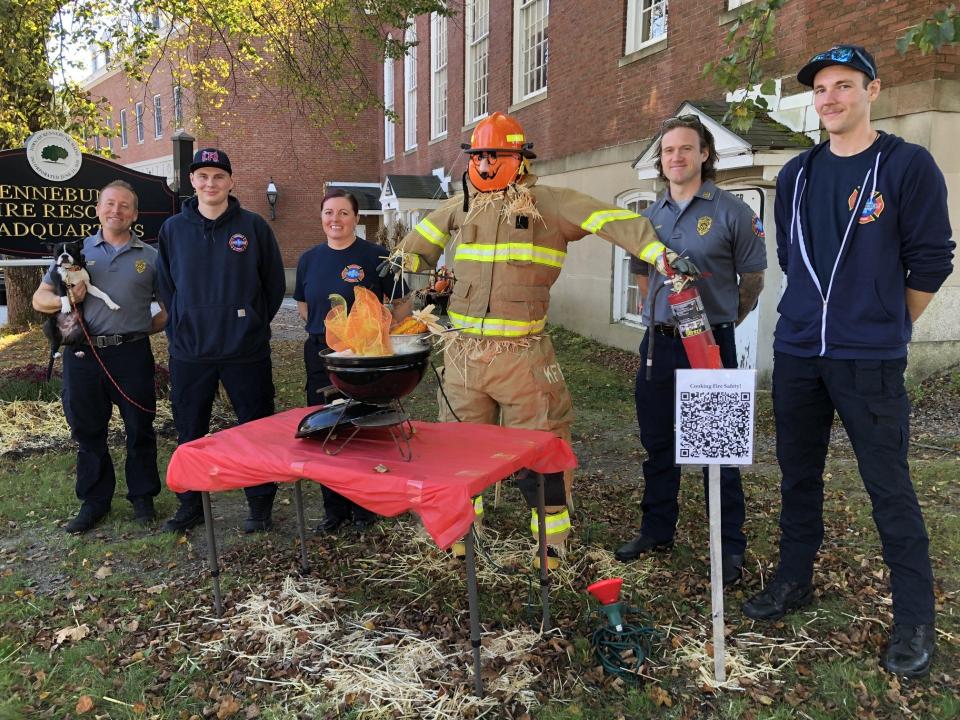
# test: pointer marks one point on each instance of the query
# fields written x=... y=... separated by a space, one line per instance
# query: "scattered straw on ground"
x=351 y=660
x=31 y=425
x=749 y=657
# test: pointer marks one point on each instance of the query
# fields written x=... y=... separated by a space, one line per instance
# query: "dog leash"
x=93 y=349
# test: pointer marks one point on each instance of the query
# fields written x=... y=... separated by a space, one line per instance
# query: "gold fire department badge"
x=704 y=224
x=140 y=266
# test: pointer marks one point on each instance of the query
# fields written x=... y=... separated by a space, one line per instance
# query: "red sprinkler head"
x=606 y=591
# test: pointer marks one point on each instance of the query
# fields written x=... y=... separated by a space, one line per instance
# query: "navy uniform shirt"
x=128 y=275
x=720 y=234
x=323 y=270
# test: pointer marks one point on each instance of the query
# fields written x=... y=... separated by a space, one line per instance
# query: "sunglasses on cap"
x=842 y=55
x=852 y=56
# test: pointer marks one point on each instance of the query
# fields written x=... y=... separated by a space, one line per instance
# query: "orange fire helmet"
x=501 y=136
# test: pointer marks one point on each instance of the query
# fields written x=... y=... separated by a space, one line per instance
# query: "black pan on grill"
x=377 y=379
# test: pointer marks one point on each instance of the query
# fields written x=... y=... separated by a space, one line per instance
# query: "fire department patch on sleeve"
x=757 y=227
x=704 y=224
x=140 y=266
x=238 y=243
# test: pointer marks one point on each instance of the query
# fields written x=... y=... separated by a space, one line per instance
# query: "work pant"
x=872 y=403
x=88 y=400
x=515 y=384
x=193 y=386
x=661 y=475
x=335 y=505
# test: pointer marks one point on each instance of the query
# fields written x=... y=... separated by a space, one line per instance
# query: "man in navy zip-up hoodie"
x=864 y=238
x=221 y=278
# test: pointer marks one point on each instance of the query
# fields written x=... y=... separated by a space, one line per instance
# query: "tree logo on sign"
x=53 y=155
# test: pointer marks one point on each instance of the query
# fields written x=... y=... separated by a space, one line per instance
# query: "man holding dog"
x=222 y=277
x=124 y=267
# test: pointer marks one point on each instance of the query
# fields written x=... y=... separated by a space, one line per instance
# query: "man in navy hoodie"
x=221 y=277
x=864 y=239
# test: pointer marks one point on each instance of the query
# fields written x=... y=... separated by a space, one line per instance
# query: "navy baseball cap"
x=853 y=56
x=211 y=157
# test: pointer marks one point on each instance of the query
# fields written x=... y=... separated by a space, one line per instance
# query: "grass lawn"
x=118 y=623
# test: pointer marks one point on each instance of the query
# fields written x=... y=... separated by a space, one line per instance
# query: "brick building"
x=591 y=81
x=266 y=140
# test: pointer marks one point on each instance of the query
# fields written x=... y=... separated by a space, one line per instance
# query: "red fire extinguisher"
x=692 y=323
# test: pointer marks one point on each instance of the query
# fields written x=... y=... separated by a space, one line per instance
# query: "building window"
x=157 y=117
x=123 y=128
x=177 y=106
x=646 y=23
x=138 y=113
x=627 y=293
x=110 y=134
x=732 y=4
x=388 y=124
x=438 y=75
x=96 y=143
x=410 y=92
x=477 y=60
x=530 y=48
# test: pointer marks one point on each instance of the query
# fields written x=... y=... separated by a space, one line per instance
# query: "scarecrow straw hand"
x=398 y=262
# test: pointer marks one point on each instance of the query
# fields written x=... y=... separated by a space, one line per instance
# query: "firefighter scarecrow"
x=505 y=244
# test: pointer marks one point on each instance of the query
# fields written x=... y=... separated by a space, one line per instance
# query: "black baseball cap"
x=211 y=157
x=853 y=56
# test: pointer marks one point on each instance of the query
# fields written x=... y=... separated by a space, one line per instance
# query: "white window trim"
x=124 y=137
x=110 y=136
x=734 y=4
x=621 y=266
x=389 y=127
x=138 y=120
x=439 y=78
x=469 y=79
x=157 y=116
x=410 y=92
x=633 y=44
x=518 y=38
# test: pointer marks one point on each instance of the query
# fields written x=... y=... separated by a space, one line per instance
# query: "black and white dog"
x=63 y=327
x=72 y=269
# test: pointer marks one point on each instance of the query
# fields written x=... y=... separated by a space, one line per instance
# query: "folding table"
x=450 y=464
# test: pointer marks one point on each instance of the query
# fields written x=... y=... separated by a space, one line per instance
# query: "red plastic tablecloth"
x=451 y=463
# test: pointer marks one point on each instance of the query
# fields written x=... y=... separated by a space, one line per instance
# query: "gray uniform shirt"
x=128 y=276
x=721 y=234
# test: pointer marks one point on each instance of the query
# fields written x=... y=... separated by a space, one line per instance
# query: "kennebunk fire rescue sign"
x=38 y=209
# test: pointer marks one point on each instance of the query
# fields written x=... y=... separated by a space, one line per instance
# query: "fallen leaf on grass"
x=660 y=696
x=228 y=706
x=73 y=633
x=84 y=704
x=104 y=571
x=156 y=589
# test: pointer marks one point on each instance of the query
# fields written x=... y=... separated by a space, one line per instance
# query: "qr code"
x=714 y=424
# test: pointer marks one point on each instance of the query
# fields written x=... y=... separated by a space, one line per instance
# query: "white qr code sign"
x=714 y=415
